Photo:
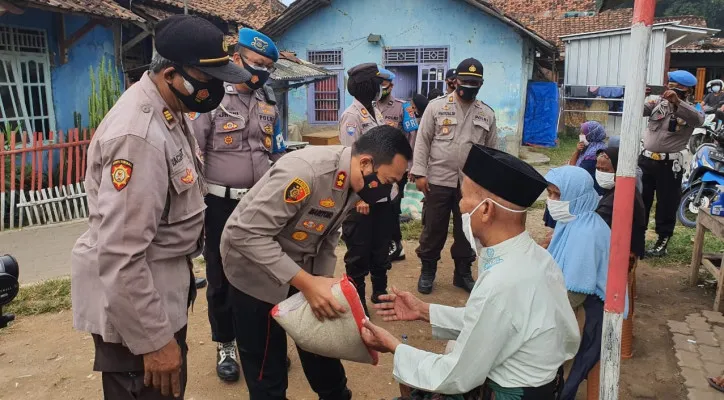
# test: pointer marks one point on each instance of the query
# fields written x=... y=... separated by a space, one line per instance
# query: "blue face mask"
x=715 y=89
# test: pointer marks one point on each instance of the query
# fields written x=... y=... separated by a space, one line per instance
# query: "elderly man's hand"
x=402 y=306
x=378 y=338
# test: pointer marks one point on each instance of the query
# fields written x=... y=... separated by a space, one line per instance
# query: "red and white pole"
x=634 y=97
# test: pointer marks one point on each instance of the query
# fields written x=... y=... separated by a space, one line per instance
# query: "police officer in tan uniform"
x=131 y=271
x=449 y=128
x=450 y=77
x=392 y=108
x=281 y=239
x=671 y=122
x=238 y=142
x=364 y=84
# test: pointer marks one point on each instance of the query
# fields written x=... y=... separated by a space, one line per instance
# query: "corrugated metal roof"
x=288 y=70
x=103 y=8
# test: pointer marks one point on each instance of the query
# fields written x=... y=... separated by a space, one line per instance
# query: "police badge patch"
x=351 y=129
x=296 y=191
x=193 y=115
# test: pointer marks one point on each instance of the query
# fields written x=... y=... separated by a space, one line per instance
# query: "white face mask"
x=468 y=227
x=560 y=211
x=606 y=180
x=715 y=89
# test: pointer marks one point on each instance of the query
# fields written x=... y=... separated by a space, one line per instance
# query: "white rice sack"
x=337 y=338
x=411 y=204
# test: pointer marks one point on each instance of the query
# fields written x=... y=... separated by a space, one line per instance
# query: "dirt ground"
x=44 y=358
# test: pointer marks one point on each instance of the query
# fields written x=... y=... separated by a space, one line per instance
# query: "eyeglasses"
x=259 y=67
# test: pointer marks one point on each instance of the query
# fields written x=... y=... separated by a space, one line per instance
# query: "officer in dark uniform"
x=450 y=76
x=671 y=122
x=238 y=142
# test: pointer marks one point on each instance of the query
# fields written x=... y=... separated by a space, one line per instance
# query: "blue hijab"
x=580 y=247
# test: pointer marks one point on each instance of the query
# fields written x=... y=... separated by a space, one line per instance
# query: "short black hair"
x=434 y=94
x=383 y=143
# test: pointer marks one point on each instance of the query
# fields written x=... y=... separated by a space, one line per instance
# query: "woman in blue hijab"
x=580 y=245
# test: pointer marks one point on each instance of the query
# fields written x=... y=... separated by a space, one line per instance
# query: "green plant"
x=105 y=90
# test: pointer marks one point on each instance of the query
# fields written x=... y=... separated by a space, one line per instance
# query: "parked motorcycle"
x=704 y=133
x=705 y=173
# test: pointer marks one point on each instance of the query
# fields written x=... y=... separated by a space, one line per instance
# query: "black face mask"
x=451 y=84
x=373 y=190
x=467 y=93
x=258 y=76
x=386 y=92
x=204 y=97
x=681 y=93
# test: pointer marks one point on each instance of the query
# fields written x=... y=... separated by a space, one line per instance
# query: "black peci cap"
x=504 y=175
x=193 y=41
x=451 y=73
x=470 y=69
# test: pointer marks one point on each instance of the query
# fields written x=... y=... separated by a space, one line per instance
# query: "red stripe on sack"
x=358 y=312
x=620 y=245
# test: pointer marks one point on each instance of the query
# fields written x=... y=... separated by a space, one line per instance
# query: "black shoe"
x=227 y=365
x=379 y=286
x=463 y=277
x=659 y=249
x=397 y=252
x=427 y=277
x=464 y=281
x=201 y=283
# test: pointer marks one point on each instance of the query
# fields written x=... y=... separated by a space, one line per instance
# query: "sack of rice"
x=335 y=338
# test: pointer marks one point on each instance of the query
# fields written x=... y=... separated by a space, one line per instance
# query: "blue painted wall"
x=70 y=81
x=506 y=56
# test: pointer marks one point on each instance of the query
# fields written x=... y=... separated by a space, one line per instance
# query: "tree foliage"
x=712 y=10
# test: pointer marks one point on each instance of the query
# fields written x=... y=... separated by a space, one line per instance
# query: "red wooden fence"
x=41 y=177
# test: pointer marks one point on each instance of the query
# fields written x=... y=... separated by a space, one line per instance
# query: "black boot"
x=463 y=278
x=360 y=285
x=379 y=287
x=397 y=252
x=227 y=365
x=427 y=277
x=659 y=249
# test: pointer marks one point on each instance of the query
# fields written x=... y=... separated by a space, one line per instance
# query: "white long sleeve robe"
x=517 y=327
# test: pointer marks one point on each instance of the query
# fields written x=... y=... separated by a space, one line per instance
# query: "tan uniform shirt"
x=289 y=221
x=356 y=121
x=392 y=110
x=131 y=269
x=446 y=135
x=236 y=138
x=657 y=137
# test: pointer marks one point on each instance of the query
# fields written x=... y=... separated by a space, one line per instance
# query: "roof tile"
x=251 y=13
x=103 y=8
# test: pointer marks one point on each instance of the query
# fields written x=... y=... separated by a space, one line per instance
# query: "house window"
x=418 y=69
x=325 y=100
x=26 y=101
x=416 y=55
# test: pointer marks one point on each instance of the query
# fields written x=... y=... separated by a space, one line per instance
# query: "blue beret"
x=258 y=43
x=386 y=74
x=681 y=77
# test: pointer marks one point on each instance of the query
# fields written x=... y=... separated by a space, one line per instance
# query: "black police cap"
x=470 y=69
x=188 y=40
x=450 y=74
x=366 y=71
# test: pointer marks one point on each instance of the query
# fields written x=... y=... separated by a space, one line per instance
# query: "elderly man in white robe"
x=517 y=328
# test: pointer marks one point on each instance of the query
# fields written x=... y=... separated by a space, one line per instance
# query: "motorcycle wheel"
x=688 y=211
